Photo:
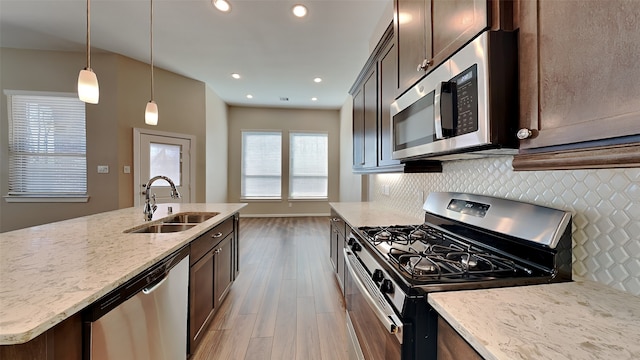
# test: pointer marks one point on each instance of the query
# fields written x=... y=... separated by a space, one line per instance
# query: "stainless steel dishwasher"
x=145 y=318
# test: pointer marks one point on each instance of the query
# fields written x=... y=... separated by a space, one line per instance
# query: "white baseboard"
x=282 y=215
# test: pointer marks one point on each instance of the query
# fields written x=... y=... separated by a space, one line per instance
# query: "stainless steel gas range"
x=466 y=242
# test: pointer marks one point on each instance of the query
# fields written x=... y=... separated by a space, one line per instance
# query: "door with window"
x=163 y=154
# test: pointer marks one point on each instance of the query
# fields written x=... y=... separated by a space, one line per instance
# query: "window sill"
x=259 y=199
x=309 y=199
x=47 y=199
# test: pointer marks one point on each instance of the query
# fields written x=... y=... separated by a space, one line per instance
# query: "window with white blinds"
x=47 y=146
x=261 y=165
x=308 y=165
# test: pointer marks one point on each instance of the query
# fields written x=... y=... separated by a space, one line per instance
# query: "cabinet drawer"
x=206 y=241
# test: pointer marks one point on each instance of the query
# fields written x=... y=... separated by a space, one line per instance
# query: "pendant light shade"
x=151 y=113
x=88 y=90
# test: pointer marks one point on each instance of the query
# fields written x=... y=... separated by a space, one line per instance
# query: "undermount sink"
x=174 y=223
x=162 y=228
x=189 y=218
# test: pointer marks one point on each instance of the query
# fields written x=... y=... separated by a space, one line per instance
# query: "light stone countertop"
x=52 y=271
x=576 y=320
x=358 y=214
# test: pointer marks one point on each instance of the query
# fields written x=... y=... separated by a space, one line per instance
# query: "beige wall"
x=247 y=118
x=124 y=91
x=216 y=148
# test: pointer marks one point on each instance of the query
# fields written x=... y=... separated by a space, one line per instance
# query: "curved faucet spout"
x=150 y=208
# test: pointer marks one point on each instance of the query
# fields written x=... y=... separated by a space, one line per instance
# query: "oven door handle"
x=389 y=319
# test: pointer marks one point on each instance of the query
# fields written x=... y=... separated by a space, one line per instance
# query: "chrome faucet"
x=150 y=208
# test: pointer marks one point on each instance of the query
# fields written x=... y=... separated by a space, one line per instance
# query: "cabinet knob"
x=524 y=133
x=424 y=65
x=216 y=235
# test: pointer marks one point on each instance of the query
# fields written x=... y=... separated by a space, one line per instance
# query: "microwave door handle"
x=438 y=113
x=448 y=108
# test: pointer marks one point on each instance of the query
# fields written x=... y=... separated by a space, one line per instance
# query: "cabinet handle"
x=335 y=219
x=424 y=65
x=216 y=235
x=524 y=133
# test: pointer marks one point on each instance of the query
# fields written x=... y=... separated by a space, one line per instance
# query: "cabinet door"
x=412 y=26
x=455 y=23
x=358 y=129
x=451 y=346
x=223 y=270
x=388 y=79
x=201 y=298
x=370 y=89
x=578 y=78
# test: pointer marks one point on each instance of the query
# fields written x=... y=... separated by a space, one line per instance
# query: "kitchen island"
x=50 y=272
x=575 y=320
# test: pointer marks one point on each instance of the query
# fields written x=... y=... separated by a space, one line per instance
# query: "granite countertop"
x=50 y=272
x=575 y=320
x=358 y=214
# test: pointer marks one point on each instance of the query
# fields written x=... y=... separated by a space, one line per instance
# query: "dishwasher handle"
x=149 y=289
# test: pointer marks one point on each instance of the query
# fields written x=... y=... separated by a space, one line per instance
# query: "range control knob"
x=386 y=286
x=350 y=241
x=356 y=247
x=378 y=275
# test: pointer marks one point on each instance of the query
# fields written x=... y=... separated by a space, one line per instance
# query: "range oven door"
x=374 y=328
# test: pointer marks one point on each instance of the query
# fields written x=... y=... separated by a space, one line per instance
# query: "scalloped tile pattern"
x=605 y=206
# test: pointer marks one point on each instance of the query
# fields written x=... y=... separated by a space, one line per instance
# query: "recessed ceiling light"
x=249 y=96
x=299 y=10
x=314 y=99
x=221 y=5
x=317 y=80
x=235 y=76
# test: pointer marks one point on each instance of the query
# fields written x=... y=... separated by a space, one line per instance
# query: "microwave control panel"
x=467 y=92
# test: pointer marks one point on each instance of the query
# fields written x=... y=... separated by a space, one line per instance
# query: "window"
x=261 y=165
x=47 y=147
x=308 y=165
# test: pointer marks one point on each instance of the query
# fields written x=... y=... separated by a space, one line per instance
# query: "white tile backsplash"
x=605 y=206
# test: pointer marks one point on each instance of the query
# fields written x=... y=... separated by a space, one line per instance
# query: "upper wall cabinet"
x=373 y=93
x=429 y=31
x=579 y=85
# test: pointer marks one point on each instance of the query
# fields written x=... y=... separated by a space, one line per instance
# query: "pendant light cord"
x=88 y=34
x=151 y=42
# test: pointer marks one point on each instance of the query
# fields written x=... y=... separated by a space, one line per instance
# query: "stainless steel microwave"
x=466 y=107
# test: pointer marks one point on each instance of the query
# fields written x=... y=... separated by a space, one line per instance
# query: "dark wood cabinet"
x=213 y=267
x=373 y=93
x=388 y=79
x=336 y=246
x=412 y=29
x=428 y=32
x=62 y=342
x=455 y=23
x=451 y=346
x=578 y=85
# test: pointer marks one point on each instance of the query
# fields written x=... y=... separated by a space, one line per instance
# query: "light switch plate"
x=127 y=169
x=103 y=169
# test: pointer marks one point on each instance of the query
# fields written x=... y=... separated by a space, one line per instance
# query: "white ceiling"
x=277 y=54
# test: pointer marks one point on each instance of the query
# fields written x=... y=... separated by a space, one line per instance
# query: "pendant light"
x=151 y=112
x=88 y=90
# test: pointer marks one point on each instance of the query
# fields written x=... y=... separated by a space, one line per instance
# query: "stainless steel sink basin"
x=189 y=217
x=162 y=228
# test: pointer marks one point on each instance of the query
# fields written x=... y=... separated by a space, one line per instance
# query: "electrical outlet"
x=103 y=169
x=127 y=169
x=290 y=204
x=385 y=190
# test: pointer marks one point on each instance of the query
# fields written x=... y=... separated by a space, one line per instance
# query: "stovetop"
x=424 y=254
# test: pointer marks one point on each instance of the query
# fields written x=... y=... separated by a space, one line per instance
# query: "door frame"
x=137 y=132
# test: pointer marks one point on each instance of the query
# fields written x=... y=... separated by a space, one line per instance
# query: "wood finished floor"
x=285 y=303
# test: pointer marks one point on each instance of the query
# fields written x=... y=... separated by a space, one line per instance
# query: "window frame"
x=41 y=197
